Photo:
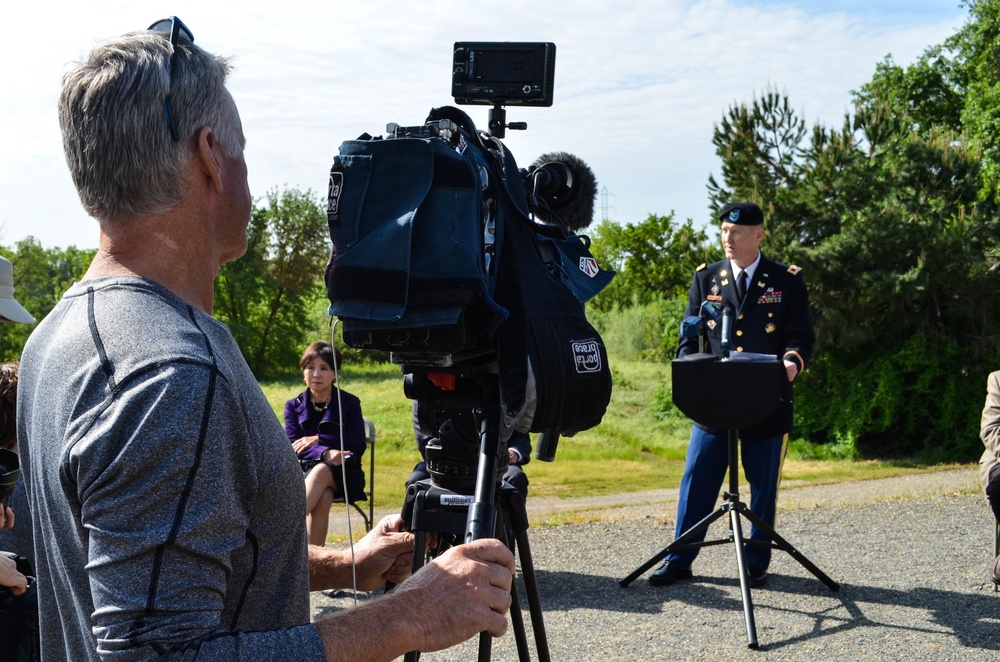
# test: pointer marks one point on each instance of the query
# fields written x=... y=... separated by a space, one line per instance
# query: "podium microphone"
x=691 y=327
x=727 y=322
x=709 y=311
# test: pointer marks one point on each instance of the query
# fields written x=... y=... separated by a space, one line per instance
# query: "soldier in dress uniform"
x=771 y=316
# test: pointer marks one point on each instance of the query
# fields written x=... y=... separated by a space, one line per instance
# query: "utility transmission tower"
x=604 y=204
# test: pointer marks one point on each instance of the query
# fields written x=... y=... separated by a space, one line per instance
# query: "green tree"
x=638 y=313
x=654 y=260
x=888 y=218
x=269 y=297
x=762 y=152
x=976 y=48
x=41 y=276
x=928 y=94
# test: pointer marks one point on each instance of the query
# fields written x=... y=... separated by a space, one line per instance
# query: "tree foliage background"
x=273 y=297
x=41 y=275
x=893 y=216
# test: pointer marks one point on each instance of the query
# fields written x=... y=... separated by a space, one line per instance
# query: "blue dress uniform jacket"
x=774 y=319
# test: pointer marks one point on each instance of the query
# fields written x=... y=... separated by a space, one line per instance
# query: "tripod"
x=697 y=387
x=429 y=508
x=434 y=509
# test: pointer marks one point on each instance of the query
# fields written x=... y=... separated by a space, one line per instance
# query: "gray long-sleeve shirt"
x=167 y=506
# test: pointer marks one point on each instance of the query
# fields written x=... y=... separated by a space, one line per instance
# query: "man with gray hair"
x=166 y=502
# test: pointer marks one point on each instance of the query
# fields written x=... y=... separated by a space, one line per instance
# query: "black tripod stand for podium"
x=494 y=509
x=699 y=389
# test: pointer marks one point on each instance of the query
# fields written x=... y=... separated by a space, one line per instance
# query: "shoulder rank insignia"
x=701 y=266
x=794 y=269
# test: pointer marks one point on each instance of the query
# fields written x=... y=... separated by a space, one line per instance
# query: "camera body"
x=503 y=73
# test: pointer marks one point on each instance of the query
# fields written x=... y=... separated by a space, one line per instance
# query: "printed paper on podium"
x=752 y=356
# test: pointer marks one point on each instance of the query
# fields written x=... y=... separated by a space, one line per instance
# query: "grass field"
x=631 y=450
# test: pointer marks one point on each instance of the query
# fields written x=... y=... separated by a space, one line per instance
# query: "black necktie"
x=741 y=285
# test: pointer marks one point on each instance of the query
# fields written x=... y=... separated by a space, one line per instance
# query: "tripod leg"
x=516 y=517
x=531 y=591
x=516 y=618
x=517 y=621
x=481 y=517
x=481 y=521
x=783 y=544
x=737 y=529
x=680 y=543
x=419 y=553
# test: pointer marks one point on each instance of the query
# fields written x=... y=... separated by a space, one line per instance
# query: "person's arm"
x=354 y=429
x=798 y=329
x=293 y=430
x=422 y=436
x=989 y=430
x=520 y=444
x=464 y=591
x=385 y=554
x=296 y=433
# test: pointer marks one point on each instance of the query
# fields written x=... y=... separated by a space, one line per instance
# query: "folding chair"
x=369 y=493
x=996 y=545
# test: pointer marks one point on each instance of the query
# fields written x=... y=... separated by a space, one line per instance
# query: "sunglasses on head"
x=174 y=29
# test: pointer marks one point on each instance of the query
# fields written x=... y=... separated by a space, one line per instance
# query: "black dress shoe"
x=756 y=577
x=668 y=573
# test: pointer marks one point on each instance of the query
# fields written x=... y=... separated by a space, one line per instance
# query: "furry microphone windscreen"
x=575 y=206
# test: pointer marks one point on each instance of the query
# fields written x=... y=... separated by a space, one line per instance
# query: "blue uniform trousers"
x=704 y=471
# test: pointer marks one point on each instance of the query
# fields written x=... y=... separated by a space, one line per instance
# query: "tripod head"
x=451 y=407
x=462 y=402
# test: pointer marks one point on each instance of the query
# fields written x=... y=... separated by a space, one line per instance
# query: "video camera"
x=468 y=270
x=433 y=226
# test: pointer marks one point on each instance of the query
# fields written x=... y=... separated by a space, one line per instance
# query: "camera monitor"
x=503 y=73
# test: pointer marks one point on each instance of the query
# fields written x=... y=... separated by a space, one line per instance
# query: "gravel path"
x=910 y=554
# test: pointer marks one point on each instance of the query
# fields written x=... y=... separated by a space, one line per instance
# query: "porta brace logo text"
x=586 y=355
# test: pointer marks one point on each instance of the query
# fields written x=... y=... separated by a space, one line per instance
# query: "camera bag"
x=554 y=373
x=434 y=251
x=407 y=267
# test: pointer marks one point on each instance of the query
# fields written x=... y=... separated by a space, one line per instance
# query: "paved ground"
x=910 y=556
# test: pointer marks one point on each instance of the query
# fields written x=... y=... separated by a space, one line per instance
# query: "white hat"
x=10 y=310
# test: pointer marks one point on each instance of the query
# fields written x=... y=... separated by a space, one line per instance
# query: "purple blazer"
x=299 y=424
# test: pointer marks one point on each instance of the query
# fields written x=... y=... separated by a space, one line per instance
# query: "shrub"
x=923 y=401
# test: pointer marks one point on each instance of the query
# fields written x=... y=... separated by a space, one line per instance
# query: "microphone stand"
x=698 y=385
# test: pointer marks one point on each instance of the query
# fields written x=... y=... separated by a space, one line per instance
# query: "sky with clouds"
x=639 y=86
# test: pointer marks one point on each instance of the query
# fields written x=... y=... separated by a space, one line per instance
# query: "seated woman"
x=313 y=425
